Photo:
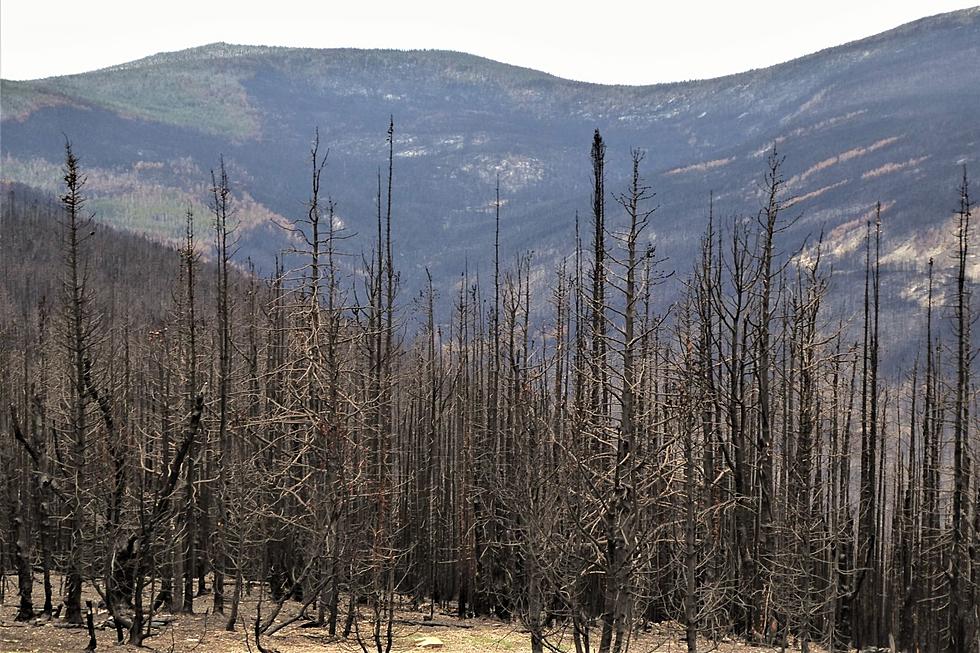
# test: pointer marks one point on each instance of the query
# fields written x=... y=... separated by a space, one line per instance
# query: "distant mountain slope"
x=131 y=276
x=890 y=118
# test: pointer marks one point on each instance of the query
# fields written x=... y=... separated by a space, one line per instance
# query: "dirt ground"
x=203 y=633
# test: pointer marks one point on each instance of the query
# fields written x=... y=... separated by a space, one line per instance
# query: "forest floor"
x=205 y=633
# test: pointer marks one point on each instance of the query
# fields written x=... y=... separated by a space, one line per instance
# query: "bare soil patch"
x=205 y=633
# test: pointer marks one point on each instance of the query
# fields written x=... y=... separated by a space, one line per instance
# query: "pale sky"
x=608 y=41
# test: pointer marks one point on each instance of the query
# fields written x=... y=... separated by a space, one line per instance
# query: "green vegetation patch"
x=126 y=200
x=205 y=99
x=35 y=172
x=19 y=99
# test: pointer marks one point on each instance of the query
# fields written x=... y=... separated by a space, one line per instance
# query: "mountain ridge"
x=218 y=52
x=891 y=117
x=221 y=49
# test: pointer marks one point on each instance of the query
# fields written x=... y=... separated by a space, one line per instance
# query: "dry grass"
x=205 y=633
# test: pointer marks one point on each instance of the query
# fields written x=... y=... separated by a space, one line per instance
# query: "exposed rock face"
x=429 y=642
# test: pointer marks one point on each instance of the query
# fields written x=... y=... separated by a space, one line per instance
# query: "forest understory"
x=204 y=632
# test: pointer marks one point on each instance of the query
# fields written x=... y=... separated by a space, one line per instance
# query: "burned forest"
x=582 y=449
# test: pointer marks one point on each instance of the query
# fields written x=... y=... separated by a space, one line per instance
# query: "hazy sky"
x=610 y=41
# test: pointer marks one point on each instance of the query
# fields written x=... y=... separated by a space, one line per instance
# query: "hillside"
x=713 y=436
x=891 y=118
x=134 y=278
